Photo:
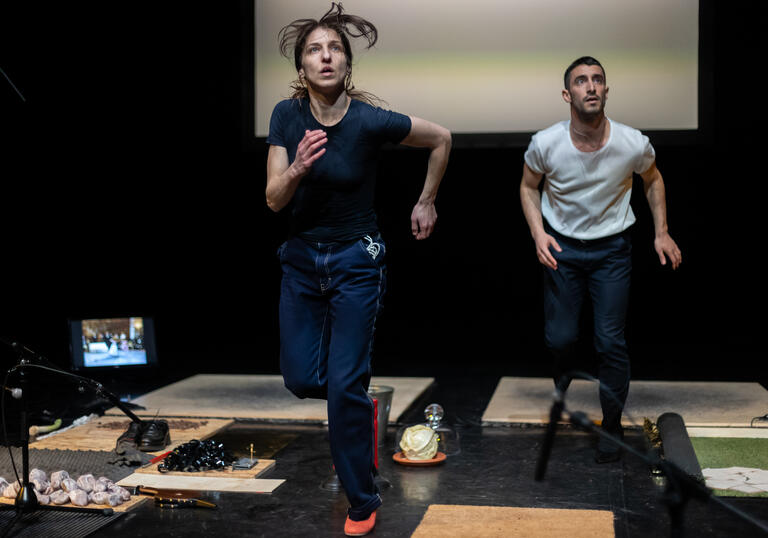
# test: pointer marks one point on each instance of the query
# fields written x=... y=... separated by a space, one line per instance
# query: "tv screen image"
x=112 y=342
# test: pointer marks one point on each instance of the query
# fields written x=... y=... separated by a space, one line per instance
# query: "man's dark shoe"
x=129 y=440
x=607 y=457
x=156 y=436
x=608 y=450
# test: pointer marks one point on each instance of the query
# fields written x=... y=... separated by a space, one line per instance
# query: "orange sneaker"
x=360 y=528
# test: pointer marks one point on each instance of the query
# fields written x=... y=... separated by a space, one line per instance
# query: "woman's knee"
x=304 y=387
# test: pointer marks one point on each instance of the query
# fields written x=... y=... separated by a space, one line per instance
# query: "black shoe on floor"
x=129 y=439
x=156 y=436
x=607 y=457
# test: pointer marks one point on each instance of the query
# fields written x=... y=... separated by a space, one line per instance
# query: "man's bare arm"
x=530 y=198
x=655 y=192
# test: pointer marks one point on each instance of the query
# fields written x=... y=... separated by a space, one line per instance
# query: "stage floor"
x=494 y=469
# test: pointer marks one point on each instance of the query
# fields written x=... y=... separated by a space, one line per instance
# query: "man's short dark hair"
x=584 y=60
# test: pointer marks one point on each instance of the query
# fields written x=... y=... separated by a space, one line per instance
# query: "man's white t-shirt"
x=586 y=194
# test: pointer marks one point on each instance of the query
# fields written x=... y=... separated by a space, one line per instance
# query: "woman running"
x=324 y=144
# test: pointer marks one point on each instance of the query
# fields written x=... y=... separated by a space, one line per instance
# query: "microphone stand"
x=26 y=500
x=680 y=486
x=48 y=366
x=555 y=412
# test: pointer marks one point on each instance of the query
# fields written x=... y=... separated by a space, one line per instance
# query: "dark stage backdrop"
x=126 y=189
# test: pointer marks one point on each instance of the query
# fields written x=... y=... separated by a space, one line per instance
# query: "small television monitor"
x=112 y=342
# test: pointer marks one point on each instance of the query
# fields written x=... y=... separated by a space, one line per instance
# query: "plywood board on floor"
x=261 y=467
x=449 y=521
x=258 y=397
x=202 y=483
x=101 y=433
x=700 y=403
x=135 y=501
x=732 y=433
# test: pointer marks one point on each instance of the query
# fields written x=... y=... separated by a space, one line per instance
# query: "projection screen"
x=496 y=66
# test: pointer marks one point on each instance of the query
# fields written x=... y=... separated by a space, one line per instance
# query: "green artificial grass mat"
x=723 y=452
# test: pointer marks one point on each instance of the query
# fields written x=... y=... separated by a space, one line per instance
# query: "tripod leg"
x=26 y=499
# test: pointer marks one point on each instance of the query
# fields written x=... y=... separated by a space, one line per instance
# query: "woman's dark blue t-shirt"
x=334 y=201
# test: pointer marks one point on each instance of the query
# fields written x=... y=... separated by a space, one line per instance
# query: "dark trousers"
x=598 y=271
x=329 y=299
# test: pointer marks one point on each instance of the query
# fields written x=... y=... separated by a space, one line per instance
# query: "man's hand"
x=423 y=219
x=543 y=243
x=665 y=245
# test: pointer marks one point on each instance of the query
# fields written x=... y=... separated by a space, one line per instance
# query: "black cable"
x=12 y=84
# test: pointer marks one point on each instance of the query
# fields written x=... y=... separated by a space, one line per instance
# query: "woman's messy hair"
x=293 y=38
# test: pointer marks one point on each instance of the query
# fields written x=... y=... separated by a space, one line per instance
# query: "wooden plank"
x=202 y=483
x=700 y=403
x=261 y=467
x=262 y=397
x=102 y=433
x=135 y=501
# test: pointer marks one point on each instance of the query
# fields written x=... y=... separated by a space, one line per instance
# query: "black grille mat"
x=57 y=523
x=52 y=523
x=75 y=462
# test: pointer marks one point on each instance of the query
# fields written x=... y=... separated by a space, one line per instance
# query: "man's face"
x=588 y=91
x=324 y=60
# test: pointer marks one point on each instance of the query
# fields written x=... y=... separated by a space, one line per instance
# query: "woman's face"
x=323 y=60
